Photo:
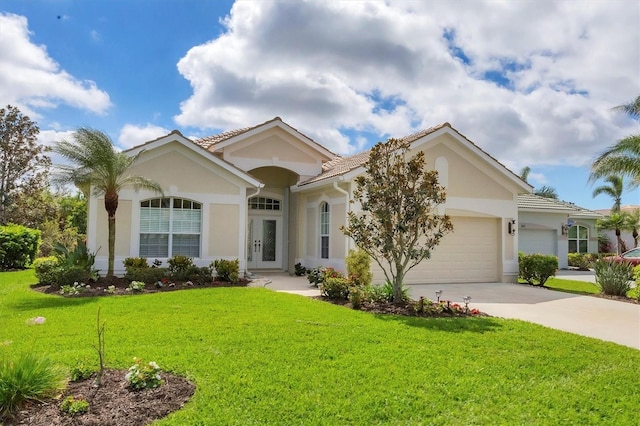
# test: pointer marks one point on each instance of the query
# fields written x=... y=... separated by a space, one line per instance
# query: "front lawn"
x=261 y=357
x=572 y=286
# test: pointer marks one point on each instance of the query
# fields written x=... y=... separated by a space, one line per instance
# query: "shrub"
x=335 y=288
x=227 y=270
x=73 y=406
x=536 y=269
x=356 y=296
x=143 y=375
x=80 y=258
x=47 y=269
x=135 y=262
x=147 y=275
x=179 y=267
x=18 y=246
x=201 y=275
x=613 y=277
x=359 y=267
x=318 y=275
x=136 y=286
x=81 y=371
x=71 y=275
x=300 y=270
x=28 y=378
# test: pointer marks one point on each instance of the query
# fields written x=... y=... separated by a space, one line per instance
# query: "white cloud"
x=132 y=135
x=31 y=79
x=387 y=68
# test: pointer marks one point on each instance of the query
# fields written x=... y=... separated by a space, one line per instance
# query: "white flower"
x=154 y=365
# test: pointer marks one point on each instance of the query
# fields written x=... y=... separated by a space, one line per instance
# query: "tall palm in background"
x=97 y=166
x=616 y=221
x=622 y=158
x=633 y=224
x=544 y=191
x=613 y=189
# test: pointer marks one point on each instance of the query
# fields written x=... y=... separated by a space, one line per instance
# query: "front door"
x=264 y=242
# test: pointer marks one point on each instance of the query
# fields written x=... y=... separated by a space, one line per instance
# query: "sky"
x=532 y=83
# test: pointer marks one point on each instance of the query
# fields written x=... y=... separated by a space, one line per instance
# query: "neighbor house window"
x=170 y=227
x=578 y=239
x=324 y=230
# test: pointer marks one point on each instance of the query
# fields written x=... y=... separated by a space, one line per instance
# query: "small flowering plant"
x=73 y=290
x=143 y=375
x=136 y=286
x=111 y=289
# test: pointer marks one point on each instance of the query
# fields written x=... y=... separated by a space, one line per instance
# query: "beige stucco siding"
x=337 y=238
x=223 y=230
x=311 y=246
x=270 y=144
x=467 y=177
x=174 y=165
x=123 y=229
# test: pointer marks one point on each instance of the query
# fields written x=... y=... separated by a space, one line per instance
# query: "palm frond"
x=632 y=109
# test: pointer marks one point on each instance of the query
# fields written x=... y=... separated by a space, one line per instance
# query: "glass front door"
x=264 y=243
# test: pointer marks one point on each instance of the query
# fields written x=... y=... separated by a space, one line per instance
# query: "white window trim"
x=328 y=233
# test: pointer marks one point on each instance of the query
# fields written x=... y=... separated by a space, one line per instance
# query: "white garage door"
x=469 y=254
x=533 y=241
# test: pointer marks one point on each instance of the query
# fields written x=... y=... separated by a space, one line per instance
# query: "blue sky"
x=530 y=82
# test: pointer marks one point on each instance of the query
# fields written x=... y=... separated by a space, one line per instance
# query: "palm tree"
x=616 y=221
x=544 y=191
x=633 y=223
x=614 y=190
x=622 y=158
x=96 y=164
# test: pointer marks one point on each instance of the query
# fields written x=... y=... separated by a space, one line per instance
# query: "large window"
x=578 y=239
x=170 y=227
x=324 y=230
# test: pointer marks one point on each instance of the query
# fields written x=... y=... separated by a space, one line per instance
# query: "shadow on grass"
x=450 y=325
x=49 y=301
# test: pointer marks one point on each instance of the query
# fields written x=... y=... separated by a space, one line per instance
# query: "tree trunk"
x=397 y=286
x=619 y=249
x=635 y=237
x=111 y=205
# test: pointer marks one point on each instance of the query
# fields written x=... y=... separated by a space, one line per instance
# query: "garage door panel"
x=533 y=241
x=468 y=254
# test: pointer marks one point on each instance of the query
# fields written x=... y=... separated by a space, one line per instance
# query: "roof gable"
x=176 y=136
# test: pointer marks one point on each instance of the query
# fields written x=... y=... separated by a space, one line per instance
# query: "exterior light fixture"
x=511 y=227
x=466 y=300
x=438 y=294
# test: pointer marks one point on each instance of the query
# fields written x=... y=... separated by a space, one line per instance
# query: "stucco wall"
x=224 y=222
x=123 y=229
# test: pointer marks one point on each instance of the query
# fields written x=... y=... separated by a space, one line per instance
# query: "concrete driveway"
x=590 y=316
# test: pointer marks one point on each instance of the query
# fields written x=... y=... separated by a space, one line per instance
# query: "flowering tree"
x=397 y=225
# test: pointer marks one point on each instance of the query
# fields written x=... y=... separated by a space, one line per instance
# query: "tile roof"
x=340 y=165
x=536 y=202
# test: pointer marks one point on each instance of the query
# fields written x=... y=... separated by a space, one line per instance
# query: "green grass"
x=261 y=357
x=571 y=286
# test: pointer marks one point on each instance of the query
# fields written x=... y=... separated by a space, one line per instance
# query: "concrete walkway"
x=609 y=320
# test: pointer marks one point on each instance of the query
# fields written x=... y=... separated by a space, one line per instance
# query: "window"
x=263 y=203
x=578 y=239
x=324 y=230
x=170 y=227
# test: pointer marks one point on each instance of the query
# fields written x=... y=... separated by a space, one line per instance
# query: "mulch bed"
x=121 y=285
x=407 y=309
x=111 y=404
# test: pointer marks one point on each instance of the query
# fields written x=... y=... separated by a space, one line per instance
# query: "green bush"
x=356 y=296
x=318 y=275
x=335 y=288
x=359 y=267
x=18 y=246
x=147 y=275
x=300 y=270
x=179 y=267
x=71 y=275
x=75 y=259
x=613 y=278
x=28 y=378
x=201 y=275
x=536 y=269
x=135 y=262
x=387 y=292
x=47 y=269
x=73 y=406
x=227 y=270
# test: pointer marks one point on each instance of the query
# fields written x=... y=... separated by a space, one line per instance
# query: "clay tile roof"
x=341 y=165
x=208 y=141
x=536 y=202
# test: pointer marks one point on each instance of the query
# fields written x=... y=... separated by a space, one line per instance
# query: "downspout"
x=348 y=205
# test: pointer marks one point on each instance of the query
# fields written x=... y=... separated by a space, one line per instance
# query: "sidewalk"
x=604 y=319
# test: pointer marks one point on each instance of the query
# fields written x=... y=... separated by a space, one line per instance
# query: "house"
x=272 y=197
x=550 y=226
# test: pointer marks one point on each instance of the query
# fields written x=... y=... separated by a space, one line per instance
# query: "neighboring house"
x=550 y=226
x=272 y=197
x=627 y=236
